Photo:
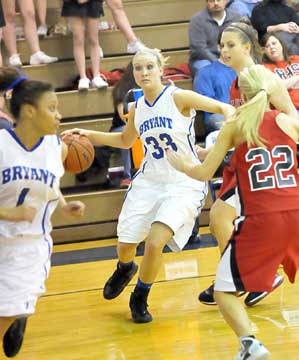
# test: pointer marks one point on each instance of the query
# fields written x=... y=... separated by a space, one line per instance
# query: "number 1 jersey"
x=267 y=178
x=29 y=177
x=161 y=126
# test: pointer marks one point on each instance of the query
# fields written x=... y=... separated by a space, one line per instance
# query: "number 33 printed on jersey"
x=156 y=148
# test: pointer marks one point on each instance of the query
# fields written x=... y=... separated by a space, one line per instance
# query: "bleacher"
x=161 y=24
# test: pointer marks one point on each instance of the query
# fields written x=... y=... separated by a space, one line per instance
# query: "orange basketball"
x=80 y=153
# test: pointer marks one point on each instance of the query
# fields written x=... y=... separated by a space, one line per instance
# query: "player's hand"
x=176 y=160
x=201 y=152
x=20 y=213
x=73 y=209
x=76 y=131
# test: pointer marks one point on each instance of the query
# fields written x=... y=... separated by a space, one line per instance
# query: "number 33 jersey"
x=161 y=126
x=29 y=177
x=267 y=178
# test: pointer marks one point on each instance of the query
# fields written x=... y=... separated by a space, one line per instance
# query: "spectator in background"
x=204 y=29
x=294 y=4
x=41 y=10
x=214 y=81
x=277 y=60
x=5 y=121
x=83 y=15
x=126 y=83
x=242 y=7
x=2 y=24
x=9 y=33
x=276 y=16
x=122 y=22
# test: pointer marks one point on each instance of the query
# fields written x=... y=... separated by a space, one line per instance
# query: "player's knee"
x=125 y=249
x=221 y=214
x=154 y=246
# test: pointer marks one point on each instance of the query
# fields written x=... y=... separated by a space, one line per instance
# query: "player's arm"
x=21 y=211
x=64 y=151
x=187 y=99
x=291 y=82
x=72 y=209
x=123 y=140
x=207 y=169
x=289 y=125
x=281 y=100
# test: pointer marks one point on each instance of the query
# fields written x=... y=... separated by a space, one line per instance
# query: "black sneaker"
x=207 y=296
x=138 y=306
x=13 y=338
x=194 y=239
x=118 y=281
x=254 y=297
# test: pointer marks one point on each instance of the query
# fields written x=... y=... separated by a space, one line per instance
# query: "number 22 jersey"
x=161 y=126
x=267 y=178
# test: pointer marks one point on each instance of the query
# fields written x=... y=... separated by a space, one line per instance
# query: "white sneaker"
x=83 y=84
x=41 y=58
x=135 y=46
x=101 y=53
x=98 y=82
x=252 y=349
x=103 y=25
x=15 y=60
x=42 y=30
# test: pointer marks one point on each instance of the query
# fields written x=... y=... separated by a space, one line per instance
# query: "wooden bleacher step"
x=140 y=12
x=99 y=221
x=73 y=104
x=62 y=73
x=166 y=37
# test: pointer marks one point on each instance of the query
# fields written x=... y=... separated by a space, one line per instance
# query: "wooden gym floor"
x=74 y=322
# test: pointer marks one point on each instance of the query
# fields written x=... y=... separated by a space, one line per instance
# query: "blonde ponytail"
x=257 y=84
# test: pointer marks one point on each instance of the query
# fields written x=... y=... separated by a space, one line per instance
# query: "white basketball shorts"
x=24 y=267
x=171 y=204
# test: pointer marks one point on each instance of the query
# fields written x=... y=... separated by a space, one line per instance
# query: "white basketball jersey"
x=162 y=126
x=31 y=177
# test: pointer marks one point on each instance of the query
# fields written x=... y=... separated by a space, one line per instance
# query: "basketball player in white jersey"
x=31 y=164
x=161 y=204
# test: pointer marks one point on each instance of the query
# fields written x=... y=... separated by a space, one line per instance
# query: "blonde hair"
x=257 y=84
x=156 y=53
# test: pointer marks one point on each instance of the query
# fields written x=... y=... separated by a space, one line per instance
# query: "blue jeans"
x=195 y=67
x=125 y=156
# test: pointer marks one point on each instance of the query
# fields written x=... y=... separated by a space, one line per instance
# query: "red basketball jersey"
x=267 y=178
x=228 y=175
x=235 y=94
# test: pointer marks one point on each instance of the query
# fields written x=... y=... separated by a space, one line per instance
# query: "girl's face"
x=273 y=49
x=47 y=116
x=147 y=71
x=233 y=52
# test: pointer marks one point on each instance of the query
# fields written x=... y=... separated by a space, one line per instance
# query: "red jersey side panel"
x=228 y=176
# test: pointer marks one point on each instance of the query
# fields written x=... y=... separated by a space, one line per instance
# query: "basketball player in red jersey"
x=239 y=49
x=265 y=165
